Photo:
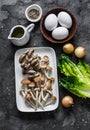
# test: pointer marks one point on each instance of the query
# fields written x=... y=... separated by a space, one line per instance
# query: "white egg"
x=51 y=22
x=65 y=19
x=60 y=33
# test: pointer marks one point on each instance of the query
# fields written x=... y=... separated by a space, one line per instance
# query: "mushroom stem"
x=28 y=102
x=36 y=99
x=46 y=98
x=42 y=95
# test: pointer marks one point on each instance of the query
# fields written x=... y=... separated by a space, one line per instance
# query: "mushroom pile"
x=37 y=86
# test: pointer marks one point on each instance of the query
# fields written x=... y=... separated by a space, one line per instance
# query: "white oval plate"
x=21 y=106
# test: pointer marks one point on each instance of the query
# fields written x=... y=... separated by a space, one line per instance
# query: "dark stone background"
x=75 y=118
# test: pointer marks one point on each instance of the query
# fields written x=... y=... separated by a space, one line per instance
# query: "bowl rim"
x=52 y=40
x=33 y=6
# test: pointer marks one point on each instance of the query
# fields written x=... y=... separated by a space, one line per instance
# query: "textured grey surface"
x=12 y=13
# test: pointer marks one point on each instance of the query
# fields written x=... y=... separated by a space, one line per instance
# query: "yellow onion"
x=80 y=52
x=68 y=48
x=67 y=101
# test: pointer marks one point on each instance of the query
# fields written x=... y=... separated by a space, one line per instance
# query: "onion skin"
x=80 y=52
x=67 y=101
x=68 y=48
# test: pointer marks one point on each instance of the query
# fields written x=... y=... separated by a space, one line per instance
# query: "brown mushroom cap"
x=37 y=79
x=42 y=79
x=43 y=86
x=25 y=81
x=27 y=96
x=52 y=79
x=31 y=85
x=54 y=98
x=49 y=68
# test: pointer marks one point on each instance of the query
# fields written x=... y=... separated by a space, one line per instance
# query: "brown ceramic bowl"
x=47 y=34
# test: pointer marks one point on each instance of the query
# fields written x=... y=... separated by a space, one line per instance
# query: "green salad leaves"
x=77 y=77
